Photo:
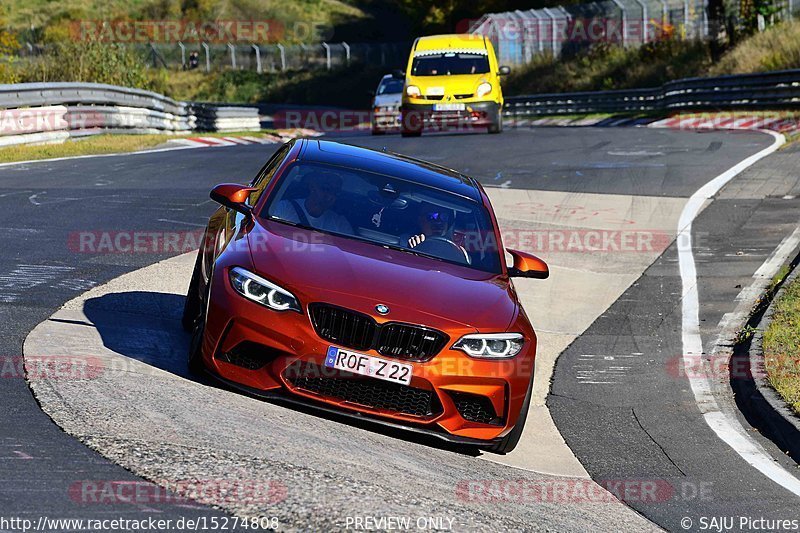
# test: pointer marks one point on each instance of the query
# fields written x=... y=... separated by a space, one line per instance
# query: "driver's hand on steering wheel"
x=415 y=240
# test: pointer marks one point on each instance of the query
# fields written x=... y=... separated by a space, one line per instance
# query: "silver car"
x=386 y=105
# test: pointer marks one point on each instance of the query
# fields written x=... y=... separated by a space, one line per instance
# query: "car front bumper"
x=474 y=115
x=269 y=353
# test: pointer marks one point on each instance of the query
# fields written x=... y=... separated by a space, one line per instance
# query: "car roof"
x=462 y=41
x=390 y=164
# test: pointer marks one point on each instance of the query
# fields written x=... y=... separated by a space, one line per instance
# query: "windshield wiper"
x=410 y=251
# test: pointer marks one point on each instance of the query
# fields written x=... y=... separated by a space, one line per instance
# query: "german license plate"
x=368 y=365
x=449 y=107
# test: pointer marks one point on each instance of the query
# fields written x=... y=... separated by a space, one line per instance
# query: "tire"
x=510 y=441
x=497 y=122
x=195 y=359
x=410 y=133
x=193 y=305
x=378 y=132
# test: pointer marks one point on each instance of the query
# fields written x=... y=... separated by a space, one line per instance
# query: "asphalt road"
x=42 y=204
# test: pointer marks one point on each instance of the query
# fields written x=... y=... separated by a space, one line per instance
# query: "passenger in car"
x=316 y=209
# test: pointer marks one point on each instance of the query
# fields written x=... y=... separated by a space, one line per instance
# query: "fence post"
x=553 y=30
x=304 y=48
x=644 y=19
x=539 y=29
x=282 y=50
x=327 y=48
x=183 y=55
x=208 y=56
x=233 y=55
x=624 y=21
x=258 y=57
x=685 y=18
x=346 y=52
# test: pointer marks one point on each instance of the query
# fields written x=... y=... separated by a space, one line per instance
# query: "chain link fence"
x=519 y=36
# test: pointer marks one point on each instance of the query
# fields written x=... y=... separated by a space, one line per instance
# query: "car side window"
x=265 y=176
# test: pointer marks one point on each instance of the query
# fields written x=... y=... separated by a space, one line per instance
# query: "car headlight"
x=261 y=291
x=413 y=91
x=484 y=88
x=490 y=345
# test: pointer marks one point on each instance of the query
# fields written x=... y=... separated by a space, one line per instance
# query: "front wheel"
x=193 y=306
x=497 y=122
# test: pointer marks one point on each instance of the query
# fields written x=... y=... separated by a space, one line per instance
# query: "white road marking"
x=727 y=428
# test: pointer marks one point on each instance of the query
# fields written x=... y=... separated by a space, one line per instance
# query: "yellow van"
x=452 y=81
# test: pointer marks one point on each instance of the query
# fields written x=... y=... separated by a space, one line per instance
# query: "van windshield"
x=450 y=63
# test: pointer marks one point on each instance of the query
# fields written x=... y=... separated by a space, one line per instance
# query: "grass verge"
x=97 y=145
x=782 y=346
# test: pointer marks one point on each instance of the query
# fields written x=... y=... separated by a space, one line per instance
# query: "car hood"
x=319 y=267
x=388 y=99
x=450 y=85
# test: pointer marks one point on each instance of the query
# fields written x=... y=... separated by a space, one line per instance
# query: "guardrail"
x=769 y=90
x=51 y=112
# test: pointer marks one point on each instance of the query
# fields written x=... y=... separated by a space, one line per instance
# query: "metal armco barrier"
x=768 y=90
x=28 y=111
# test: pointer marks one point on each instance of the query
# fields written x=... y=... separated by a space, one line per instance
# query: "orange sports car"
x=369 y=283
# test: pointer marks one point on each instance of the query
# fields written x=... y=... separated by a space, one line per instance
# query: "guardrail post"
x=208 y=56
x=183 y=55
x=624 y=21
x=327 y=48
x=282 y=51
x=233 y=55
x=258 y=57
x=346 y=52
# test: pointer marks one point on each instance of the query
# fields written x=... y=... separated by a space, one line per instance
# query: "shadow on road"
x=146 y=326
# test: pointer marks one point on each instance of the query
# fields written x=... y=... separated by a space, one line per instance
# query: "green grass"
x=782 y=346
x=604 y=67
x=52 y=17
x=99 y=144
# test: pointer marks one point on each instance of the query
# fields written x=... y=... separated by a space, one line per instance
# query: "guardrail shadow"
x=146 y=326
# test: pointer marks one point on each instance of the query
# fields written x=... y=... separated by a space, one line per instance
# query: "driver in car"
x=433 y=221
x=316 y=209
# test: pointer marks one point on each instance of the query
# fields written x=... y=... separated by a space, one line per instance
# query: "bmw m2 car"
x=368 y=283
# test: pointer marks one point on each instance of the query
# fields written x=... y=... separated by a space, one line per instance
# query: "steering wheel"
x=450 y=248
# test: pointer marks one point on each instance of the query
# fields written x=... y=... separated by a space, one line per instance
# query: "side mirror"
x=504 y=71
x=233 y=196
x=398 y=74
x=527 y=266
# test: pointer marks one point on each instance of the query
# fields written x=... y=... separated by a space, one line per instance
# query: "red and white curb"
x=281 y=137
x=728 y=122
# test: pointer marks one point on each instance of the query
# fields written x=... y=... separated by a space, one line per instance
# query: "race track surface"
x=642 y=424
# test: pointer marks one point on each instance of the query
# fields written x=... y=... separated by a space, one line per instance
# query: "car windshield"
x=449 y=63
x=390 y=86
x=386 y=211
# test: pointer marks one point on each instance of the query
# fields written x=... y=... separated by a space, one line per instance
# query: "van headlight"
x=263 y=292
x=413 y=91
x=490 y=345
x=484 y=89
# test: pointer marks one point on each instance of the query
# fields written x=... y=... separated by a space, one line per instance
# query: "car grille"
x=368 y=392
x=344 y=327
x=361 y=332
x=410 y=342
x=463 y=96
x=475 y=408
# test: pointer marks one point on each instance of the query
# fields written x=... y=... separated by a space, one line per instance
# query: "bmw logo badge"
x=382 y=309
